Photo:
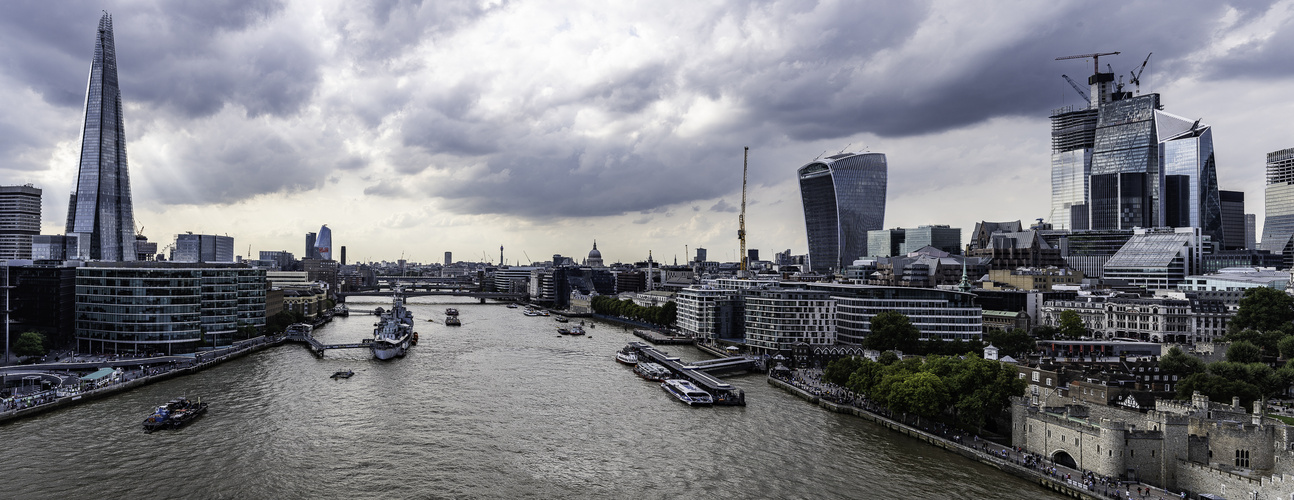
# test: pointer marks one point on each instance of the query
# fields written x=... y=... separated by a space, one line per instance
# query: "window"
x=1242 y=458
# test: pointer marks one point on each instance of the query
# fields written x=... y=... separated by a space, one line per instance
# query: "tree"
x=892 y=330
x=922 y=393
x=1014 y=342
x=1264 y=309
x=1046 y=332
x=839 y=371
x=30 y=344
x=1286 y=347
x=1243 y=352
x=887 y=358
x=1071 y=325
x=1181 y=364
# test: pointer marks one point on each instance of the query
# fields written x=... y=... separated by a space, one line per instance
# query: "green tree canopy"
x=1286 y=346
x=1264 y=309
x=30 y=344
x=892 y=330
x=1014 y=342
x=838 y=371
x=1244 y=352
x=1176 y=362
x=1071 y=325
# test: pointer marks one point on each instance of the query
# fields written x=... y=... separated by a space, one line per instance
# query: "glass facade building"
x=1125 y=165
x=1072 y=135
x=1233 y=220
x=844 y=198
x=323 y=244
x=1191 y=197
x=166 y=308
x=101 y=216
x=1278 y=226
x=19 y=220
x=1158 y=259
x=191 y=247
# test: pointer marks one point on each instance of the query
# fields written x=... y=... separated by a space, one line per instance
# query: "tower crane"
x=1096 y=59
x=741 y=219
x=1136 y=75
x=1077 y=88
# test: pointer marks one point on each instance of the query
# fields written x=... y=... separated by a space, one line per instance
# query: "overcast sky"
x=415 y=128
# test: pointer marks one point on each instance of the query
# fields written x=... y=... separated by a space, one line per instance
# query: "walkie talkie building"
x=102 y=220
x=844 y=198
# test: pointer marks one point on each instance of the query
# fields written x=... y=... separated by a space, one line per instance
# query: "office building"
x=311 y=252
x=709 y=314
x=700 y=255
x=947 y=239
x=1234 y=227
x=1073 y=132
x=323 y=244
x=53 y=247
x=1158 y=259
x=169 y=308
x=937 y=314
x=103 y=220
x=1251 y=231
x=1278 y=226
x=191 y=247
x=283 y=260
x=844 y=198
x=449 y=258
x=885 y=242
x=343 y=255
x=19 y=220
x=777 y=318
x=1088 y=251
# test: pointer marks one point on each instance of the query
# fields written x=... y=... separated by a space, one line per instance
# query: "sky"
x=415 y=128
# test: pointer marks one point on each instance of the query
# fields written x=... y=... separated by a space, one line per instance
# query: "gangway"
x=723 y=392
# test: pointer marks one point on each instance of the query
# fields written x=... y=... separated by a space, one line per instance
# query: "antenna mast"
x=741 y=219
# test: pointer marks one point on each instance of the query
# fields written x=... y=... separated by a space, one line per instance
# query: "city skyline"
x=418 y=130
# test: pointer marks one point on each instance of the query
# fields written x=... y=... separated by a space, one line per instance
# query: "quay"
x=662 y=339
x=723 y=392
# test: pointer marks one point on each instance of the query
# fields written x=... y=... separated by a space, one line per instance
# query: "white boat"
x=652 y=371
x=393 y=334
x=686 y=392
x=627 y=357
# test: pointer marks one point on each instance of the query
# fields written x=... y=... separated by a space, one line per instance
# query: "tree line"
x=657 y=315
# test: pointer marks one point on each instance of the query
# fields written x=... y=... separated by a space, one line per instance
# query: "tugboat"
x=174 y=414
x=345 y=374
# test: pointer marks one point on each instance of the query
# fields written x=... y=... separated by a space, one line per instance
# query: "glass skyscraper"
x=1278 y=227
x=844 y=198
x=1072 y=134
x=102 y=219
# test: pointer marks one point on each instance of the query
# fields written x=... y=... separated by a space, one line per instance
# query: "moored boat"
x=563 y=330
x=627 y=357
x=393 y=334
x=512 y=306
x=652 y=371
x=686 y=392
x=174 y=414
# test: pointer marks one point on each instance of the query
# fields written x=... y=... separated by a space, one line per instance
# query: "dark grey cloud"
x=723 y=206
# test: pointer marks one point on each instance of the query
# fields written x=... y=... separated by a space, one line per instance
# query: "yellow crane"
x=741 y=219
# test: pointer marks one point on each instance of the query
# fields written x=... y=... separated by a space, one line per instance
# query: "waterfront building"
x=843 y=197
x=1233 y=221
x=19 y=220
x=708 y=314
x=165 y=307
x=191 y=247
x=937 y=314
x=321 y=271
x=1278 y=227
x=1157 y=258
x=629 y=281
x=513 y=279
x=102 y=219
x=43 y=299
x=323 y=244
x=777 y=318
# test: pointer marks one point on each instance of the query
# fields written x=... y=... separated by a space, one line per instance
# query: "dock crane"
x=1077 y=88
x=741 y=219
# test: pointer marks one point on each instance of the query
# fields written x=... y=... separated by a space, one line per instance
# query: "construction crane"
x=1077 y=88
x=741 y=219
x=1136 y=75
x=1096 y=59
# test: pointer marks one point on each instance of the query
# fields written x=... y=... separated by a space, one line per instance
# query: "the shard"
x=103 y=221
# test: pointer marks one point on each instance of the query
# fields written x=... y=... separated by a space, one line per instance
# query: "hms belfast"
x=394 y=332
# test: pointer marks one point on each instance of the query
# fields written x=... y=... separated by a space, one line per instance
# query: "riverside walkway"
x=808 y=385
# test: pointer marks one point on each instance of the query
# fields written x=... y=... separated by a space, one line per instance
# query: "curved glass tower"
x=844 y=198
x=323 y=243
x=103 y=220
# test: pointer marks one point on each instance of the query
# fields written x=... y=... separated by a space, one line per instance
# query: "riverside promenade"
x=807 y=385
x=161 y=369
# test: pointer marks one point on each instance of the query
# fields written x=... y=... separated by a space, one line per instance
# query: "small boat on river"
x=627 y=357
x=343 y=374
x=174 y=414
x=452 y=321
x=451 y=312
x=562 y=319
x=652 y=371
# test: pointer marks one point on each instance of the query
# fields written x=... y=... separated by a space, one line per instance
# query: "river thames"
x=501 y=407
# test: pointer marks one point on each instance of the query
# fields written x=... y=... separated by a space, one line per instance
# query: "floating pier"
x=305 y=334
x=662 y=339
x=723 y=392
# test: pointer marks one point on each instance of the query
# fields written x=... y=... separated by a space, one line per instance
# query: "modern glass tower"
x=844 y=198
x=103 y=221
x=323 y=243
x=1279 y=200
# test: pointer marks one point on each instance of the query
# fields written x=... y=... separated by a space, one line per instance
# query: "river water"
x=501 y=407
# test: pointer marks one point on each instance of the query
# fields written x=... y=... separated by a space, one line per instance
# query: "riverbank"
x=1057 y=485
x=206 y=360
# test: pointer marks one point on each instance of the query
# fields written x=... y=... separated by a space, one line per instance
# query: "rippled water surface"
x=499 y=407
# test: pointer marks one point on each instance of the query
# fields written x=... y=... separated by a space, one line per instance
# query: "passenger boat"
x=652 y=371
x=563 y=330
x=174 y=414
x=577 y=330
x=562 y=319
x=451 y=312
x=343 y=374
x=686 y=392
x=452 y=321
x=627 y=357
x=530 y=312
x=512 y=306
